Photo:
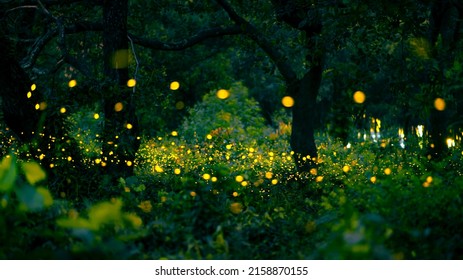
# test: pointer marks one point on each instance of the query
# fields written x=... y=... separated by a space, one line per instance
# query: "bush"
x=238 y=117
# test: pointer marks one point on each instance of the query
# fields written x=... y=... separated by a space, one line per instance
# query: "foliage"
x=237 y=116
x=215 y=200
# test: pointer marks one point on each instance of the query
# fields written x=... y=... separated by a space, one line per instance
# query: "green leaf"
x=77 y=223
x=8 y=174
x=47 y=198
x=30 y=198
x=34 y=172
x=105 y=212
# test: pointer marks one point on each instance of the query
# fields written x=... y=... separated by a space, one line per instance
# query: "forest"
x=231 y=129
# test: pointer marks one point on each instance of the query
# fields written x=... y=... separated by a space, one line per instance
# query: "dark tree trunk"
x=19 y=112
x=305 y=116
x=444 y=22
x=303 y=16
x=115 y=43
x=120 y=128
x=438 y=133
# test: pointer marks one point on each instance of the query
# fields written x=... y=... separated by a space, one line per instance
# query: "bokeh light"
x=287 y=101
x=359 y=97
x=223 y=94
x=439 y=104
x=131 y=83
x=72 y=83
x=174 y=85
x=118 y=106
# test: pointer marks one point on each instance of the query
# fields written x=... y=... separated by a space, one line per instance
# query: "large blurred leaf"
x=8 y=174
x=77 y=223
x=47 y=198
x=30 y=198
x=34 y=173
x=105 y=212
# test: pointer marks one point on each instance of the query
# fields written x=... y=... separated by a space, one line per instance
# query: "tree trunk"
x=120 y=128
x=19 y=112
x=306 y=18
x=305 y=115
x=445 y=23
x=438 y=133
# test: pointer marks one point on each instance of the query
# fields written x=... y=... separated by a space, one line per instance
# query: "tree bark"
x=305 y=114
x=445 y=23
x=304 y=17
x=19 y=112
x=120 y=142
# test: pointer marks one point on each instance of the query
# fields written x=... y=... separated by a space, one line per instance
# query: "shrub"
x=238 y=117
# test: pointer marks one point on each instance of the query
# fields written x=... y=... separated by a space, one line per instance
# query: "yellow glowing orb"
x=236 y=207
x=223 y=94
x=29 y=94
x=43 y=105
x=359 y=97
x=33 y=87
x=287 y=101
x=72 y=83
x=174 y=85
x=131 y=83
x=118 y=106
x=239 y=178
x=177 y=171
x=373 y=179
x=174 y=133
x=387 y=171
x=129 y=126
x=206 y=176
x=429 y=179
x=96 y=116
x=439 y=104
x=346 y=168
x=62 y=110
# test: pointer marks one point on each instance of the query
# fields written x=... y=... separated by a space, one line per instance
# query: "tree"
x=304 y=91
x=120 y=131
x=445 y=49
x=18 y=95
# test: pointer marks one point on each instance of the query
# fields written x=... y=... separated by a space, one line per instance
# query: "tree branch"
x=252 y=32
x=37 y=47
x=186 y=43
x=15 y=3
x=83 y=26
